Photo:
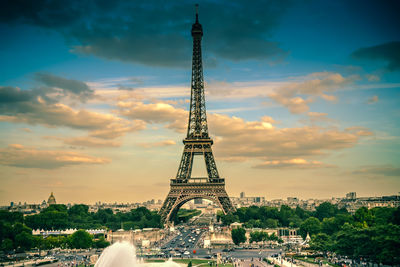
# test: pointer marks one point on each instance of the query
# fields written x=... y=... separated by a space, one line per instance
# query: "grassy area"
x=312 y=260
x=185 y=215
x=201 y=263
x=194 y=261
x=154 y=260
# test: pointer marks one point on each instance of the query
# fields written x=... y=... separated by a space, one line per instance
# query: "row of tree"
x=184 y=215
x=370 y=234
x=271 y=217
x=16 y=229
x=20 y=238
x=78 y=216
x=239 y=236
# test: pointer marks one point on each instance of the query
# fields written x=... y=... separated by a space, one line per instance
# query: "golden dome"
x=51 y=200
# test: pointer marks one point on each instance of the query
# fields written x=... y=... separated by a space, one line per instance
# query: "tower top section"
x=197 y=30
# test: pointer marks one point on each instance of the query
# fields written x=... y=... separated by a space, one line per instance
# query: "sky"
x=302 y=97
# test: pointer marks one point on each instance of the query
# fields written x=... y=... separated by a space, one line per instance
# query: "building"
x=51 y=200
x=242 y=195
x=351 y=195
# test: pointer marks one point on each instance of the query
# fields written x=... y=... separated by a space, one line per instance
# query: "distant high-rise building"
x=351 y=195
x=51 y=200
x=198 y=201
x=242 y=195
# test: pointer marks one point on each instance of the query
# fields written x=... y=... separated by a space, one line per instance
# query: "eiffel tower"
x=197 y=142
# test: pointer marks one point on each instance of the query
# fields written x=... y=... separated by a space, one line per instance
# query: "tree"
x=311 y=226
x=101 y=243
x=285 y=213
x=273 y=237
x=271 y=223
x=325 y=210
x=329 y=226
x=80 y=239
x=7 y=244
x=24 y=241
x=229 y=218
x=238 y=235
x=396 y=216
x=258 y=236
x=321 y=242
x=363 y=216
x=11 y=217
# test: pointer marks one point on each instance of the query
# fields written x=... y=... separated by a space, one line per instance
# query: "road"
x=184 y=243
x=189 y=238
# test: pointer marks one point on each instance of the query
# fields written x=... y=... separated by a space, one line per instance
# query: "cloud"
x=115 y=130
x=155 y=113
x=387 y=52
x=151 y=33
x=67 y=86
x=27 y=130
x=296 y=163
x=240 y=140
x=373 y=99
x=359 y=130
x=52 y=89
x=373 y=78
x=87 y=141
x=158 y=144
x=317 y=117
x=14 y=95
x=384 y=170
x=321 y=84
x=73 y=86
x=28 y=107
x=19 y=156
x=260 y=140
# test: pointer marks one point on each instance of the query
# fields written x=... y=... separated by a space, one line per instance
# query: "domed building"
x=51 y=200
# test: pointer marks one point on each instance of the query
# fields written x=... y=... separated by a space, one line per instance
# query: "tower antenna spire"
x=197 y=12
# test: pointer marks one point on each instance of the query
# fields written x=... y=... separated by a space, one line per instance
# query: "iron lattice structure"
x=197 y=142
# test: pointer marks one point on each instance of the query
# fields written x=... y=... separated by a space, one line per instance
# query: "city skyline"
x=302 y=98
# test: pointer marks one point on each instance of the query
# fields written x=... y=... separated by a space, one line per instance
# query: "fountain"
x=123 y=254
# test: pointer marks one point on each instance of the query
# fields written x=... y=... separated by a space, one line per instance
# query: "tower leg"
x=178 y=197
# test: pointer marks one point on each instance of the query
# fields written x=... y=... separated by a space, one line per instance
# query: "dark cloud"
x=133 y=82
x=52 y=88
x=74 y=88
x=14 y=95
x=389 y=52
x=157 y=32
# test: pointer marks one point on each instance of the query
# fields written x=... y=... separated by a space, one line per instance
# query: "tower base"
x=181 y=193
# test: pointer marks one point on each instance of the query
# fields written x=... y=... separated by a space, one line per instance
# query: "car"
x=186 y=253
